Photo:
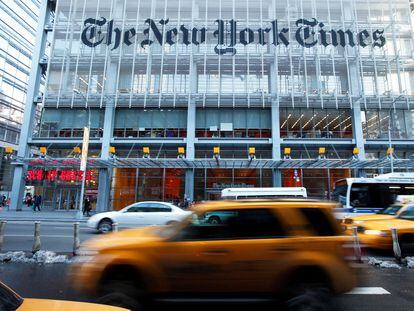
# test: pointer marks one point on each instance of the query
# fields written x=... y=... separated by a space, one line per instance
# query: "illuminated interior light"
x=341 y=123
x=310 y=120
x=297 y=121
x=316 y=125
x=284 y=123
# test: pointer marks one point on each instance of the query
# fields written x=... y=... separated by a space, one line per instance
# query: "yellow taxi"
x=377 y=234
x=389 y=212
x=291 y=250
x=11 y=301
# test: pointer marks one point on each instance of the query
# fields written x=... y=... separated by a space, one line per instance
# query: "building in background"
x=18 y=21
x=184 y=98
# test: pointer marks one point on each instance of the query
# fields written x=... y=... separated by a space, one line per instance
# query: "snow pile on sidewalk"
x=41 y=257
x=410 y=262
x=383 y=263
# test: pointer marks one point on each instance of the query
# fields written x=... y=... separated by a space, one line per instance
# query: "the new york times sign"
x=227 y=35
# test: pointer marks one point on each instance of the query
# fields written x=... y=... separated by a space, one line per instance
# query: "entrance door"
x=68 y=199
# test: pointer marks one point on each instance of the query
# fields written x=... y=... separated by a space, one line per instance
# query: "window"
x=239 y=224
x=319 y=222
x=159 y=208
x=408 y=214
x=134 y=209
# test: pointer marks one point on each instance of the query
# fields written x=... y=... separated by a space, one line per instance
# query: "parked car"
x=138 y=215
x=292 y=251
x=11 y=301
x=377 y=234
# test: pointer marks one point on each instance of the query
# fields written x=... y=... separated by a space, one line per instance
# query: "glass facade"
x=199 y=75
x=18 y=22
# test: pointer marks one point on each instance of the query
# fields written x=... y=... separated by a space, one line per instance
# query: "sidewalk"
x=52 y=216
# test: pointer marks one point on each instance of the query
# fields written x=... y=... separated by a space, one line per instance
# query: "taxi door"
x=263 y=251
x=197 y=259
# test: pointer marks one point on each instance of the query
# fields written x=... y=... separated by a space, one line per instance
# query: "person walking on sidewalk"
x=87 y=207
x=37 y=202
x=28 y=200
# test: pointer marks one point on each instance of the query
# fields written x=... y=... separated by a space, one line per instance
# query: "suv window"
x=241 y=224
x=319 y=221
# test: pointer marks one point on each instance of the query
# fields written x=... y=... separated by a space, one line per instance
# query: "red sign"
x=51 y=175
x=34 y=175
x=64 y=175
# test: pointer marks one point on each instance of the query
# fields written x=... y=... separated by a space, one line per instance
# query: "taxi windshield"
x=390 y=210
x=408 y=214
x=9 y=300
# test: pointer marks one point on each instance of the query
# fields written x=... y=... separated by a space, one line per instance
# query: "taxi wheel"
x=121 y=294
x=105 y=226
x=308 y=296
x=214 y=220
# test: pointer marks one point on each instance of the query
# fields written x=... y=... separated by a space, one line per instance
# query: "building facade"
x=184 y=98
x=18 y=20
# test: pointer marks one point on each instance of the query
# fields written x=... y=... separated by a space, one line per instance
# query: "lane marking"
x=368 y=291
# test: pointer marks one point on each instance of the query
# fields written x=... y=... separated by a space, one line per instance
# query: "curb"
x=46 y=220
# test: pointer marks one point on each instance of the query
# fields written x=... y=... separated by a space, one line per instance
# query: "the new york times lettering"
x=227 y=35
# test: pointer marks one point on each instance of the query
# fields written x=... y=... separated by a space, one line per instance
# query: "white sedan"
x=138 y=215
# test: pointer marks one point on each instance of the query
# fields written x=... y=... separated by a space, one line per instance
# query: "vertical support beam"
x=190 y=147
x=276 y=141
x=105 y=174
x=30 y=105
x=191 y=115
x=358 y=133
x=189 y=183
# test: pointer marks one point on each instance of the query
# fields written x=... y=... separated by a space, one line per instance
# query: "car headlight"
x=376 y=232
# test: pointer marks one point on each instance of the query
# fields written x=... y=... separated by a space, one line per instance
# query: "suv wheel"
x=105 y=226
x=308 y=296
x=214 y=220
x=121 y=293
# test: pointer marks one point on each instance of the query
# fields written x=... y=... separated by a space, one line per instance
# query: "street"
x=54 y=236
x=50 y=281
x=378 y=288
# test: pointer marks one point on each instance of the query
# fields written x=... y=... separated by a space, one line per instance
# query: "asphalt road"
x=54 y=236
x=50 y=281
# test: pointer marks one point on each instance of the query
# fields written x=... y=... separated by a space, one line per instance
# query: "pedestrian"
x=33 y=202
x=37 y=202
x=3 y=200
x=29 y=200
x=87 y=207
x=176 y=201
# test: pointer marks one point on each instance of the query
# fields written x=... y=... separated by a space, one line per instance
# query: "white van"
x=263 y=193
